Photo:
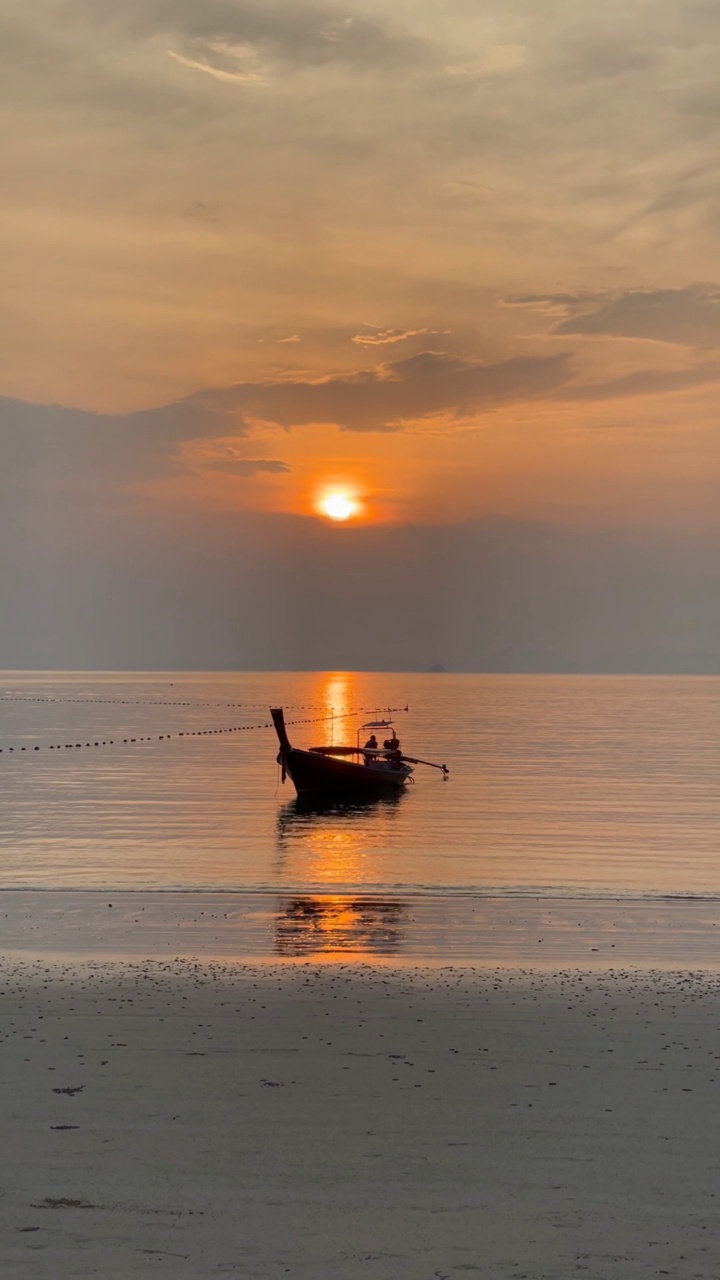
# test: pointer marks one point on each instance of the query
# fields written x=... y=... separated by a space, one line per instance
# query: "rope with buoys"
x=149 y=702
x=181 y=733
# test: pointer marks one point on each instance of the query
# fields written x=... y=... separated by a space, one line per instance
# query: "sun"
x=338 y=506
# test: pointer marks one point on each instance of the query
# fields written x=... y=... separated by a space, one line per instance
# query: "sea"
x=589 y=787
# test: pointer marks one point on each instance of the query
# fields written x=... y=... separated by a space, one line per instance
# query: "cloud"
x=53 y=447
x=553 y=304
x=95 y=458
x=56 y=447
x=686 y=317
x=382 y=337
x=251 y=466
x=389 y=396
x=646 y=382
x=305 y=33
x=294 y=337
x=497 y=60
x=235 y=64
x=351 y=185
x=689 y=316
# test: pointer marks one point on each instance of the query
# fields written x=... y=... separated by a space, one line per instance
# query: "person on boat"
x=370 y=745
x=391 y=746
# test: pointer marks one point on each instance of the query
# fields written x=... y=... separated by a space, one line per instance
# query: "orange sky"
x=458 y=261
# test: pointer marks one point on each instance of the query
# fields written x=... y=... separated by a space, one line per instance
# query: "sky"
x=458 y=262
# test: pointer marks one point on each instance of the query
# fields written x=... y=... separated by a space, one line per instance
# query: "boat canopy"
x=375 y=724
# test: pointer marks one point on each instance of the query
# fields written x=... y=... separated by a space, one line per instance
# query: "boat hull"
x=312 y=772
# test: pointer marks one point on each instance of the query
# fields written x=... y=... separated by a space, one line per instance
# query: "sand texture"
x=199 y=1120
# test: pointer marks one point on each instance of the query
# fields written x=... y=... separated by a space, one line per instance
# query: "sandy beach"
x=200 y=1118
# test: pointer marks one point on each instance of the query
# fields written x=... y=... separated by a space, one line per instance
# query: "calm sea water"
x=589 y=786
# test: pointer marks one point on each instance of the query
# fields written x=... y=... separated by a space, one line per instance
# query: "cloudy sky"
x=458 y=260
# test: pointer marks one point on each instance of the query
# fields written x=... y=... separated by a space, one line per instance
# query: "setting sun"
x=338 y=506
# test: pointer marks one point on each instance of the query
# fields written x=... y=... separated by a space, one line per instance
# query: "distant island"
x=436 y=668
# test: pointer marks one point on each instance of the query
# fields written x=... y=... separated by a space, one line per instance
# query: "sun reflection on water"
x=325 y=842
x=336 y=693
x=307 y=925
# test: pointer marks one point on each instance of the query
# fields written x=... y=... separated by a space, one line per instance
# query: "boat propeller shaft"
x=430 y=763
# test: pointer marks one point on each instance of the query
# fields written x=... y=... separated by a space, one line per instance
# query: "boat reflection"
x=304 y=809
x=312 y=925
x=338 y=842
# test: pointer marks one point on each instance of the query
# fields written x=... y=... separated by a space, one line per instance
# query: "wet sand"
x=201 y=1119
x=469 y=929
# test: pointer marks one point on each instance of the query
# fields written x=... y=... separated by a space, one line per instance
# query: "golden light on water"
x=326 y=926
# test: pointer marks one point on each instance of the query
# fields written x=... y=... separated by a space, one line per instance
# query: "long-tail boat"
x=355 y=770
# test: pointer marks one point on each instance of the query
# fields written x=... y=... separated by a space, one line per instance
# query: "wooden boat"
x=332 y=769
x=328 y=769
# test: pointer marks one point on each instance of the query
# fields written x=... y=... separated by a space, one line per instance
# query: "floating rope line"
x=151 y=702
x=180 y=733
x=157 y=702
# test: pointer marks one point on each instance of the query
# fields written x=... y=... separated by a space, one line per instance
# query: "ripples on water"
x=559 y=785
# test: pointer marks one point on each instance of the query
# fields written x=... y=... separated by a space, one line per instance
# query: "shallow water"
x=402 y=929
x=559 y=785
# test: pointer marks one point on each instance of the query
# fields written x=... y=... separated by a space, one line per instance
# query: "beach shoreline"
x=342 y=1120
x=328 y=1086
x=390 y=928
